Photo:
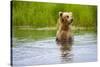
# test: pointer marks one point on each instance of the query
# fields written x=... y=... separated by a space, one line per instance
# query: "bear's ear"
x=60 y=14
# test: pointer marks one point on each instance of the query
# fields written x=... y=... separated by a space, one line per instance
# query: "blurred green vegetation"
x=41 y=14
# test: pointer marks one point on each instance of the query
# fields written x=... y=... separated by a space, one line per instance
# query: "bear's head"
x=66 y=17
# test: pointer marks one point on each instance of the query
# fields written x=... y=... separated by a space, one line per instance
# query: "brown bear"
x=64 y=35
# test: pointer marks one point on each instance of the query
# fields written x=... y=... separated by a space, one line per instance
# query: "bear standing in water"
x=64 y=35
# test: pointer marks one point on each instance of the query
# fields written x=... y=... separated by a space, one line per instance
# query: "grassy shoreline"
x=45 y=32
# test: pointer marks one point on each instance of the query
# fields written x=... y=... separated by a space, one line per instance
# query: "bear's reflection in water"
x=65 y=49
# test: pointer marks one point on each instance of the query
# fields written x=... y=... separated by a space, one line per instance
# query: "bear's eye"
x=67 y=16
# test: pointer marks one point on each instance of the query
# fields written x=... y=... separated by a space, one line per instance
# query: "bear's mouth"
x=71 y=20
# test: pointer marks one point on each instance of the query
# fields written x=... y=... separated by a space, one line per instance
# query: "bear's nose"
x=71 y=19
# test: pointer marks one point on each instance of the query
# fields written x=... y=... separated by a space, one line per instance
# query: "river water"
x=84 y=49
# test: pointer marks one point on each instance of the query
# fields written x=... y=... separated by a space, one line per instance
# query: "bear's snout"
x=71 y=20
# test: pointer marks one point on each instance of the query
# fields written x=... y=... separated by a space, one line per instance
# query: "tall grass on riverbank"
x=39 y=14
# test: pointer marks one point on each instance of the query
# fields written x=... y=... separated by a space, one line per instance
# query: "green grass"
x=39 y=14
x=33 y=34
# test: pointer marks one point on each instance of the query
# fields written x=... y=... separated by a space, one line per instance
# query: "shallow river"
x=84 y=49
